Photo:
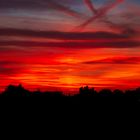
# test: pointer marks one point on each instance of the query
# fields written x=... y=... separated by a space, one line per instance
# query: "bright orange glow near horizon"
x=100 y=68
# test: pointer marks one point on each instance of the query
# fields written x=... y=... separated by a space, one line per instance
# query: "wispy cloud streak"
x=116 y=60
x=62 y=35
x=75 y=45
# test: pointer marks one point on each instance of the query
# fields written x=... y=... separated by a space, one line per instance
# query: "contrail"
x=55 y=5
x=90 y=6
x=126 y=29
x=102 y=12
x=114 y=26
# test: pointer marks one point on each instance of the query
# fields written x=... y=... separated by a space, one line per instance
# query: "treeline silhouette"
x=19 y=90
x=85 y=94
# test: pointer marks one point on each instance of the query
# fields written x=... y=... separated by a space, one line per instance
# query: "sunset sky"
x=65 y=44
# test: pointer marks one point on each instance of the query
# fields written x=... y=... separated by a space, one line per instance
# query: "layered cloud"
x=62 y=35
x=39 y=48
x=68 y=39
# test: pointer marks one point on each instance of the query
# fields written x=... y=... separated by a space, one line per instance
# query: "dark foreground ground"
x=88 y=106
x=88 y=111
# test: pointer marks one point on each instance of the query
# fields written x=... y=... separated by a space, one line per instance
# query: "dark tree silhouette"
x=86 y=95
x=19 y=90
